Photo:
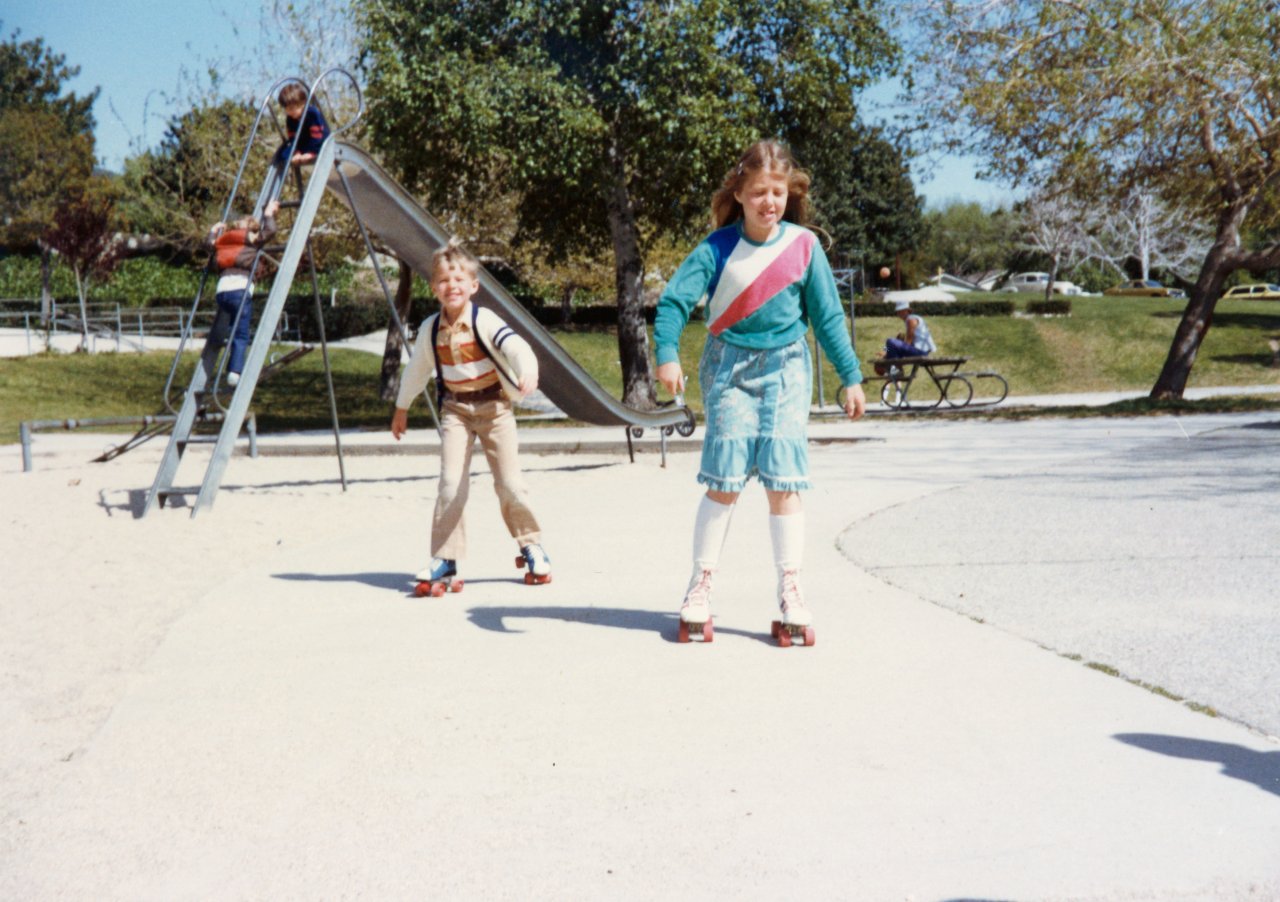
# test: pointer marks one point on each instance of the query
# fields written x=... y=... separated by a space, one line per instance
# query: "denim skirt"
x=756 y=404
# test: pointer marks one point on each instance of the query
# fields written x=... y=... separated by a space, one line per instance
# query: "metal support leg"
x=25 y=431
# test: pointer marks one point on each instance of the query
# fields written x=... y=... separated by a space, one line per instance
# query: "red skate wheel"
x=682 y=634
x=776 y=629
x=528 y=579
x=455 y=586
x=437 y=589
x=707 y=632
x=422 y=590
x=519 y=561
x=784 y=638
x=808 y=635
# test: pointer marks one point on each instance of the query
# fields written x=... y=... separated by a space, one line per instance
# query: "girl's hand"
x=671 y=377
x=855 y=401
x=527 y=384
x=272 y=208
x=399 y=423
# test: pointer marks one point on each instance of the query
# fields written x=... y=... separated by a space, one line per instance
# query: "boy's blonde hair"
x=454 y=254
x=770 y=156
x=292 y=93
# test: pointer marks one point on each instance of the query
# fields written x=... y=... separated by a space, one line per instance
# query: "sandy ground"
x=250 y=704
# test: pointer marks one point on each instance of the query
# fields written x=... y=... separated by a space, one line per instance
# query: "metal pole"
x=25 y=431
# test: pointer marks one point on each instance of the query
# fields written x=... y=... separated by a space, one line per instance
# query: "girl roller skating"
x=766 y=278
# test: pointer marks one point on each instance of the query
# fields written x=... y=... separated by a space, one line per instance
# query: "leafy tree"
x=83 y=234
x=964 y=238
x=31 y=78
x=1172 y=96
x=613 y=122
x=179 y=189
x=864 y=196
x=46 y=146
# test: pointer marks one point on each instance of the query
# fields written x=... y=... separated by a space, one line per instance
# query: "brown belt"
x=492 y=393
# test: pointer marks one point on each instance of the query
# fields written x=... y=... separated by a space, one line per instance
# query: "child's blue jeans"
x=230 y=303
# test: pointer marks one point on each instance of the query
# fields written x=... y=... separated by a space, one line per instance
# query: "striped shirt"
x=464 y=364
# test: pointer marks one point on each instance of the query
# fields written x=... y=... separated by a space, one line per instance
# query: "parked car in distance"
x=1145 y=288
x=1037 y=281
x=1258 y=292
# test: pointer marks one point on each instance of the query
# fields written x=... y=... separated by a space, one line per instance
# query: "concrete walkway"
x=251 y=704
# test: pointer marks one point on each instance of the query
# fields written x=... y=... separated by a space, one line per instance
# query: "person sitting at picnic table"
x=916 y=341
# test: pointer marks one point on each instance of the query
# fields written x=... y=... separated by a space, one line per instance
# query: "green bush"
x=1055 y=307
x=938 y=308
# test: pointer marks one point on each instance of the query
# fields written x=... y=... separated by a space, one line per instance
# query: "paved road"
x=1155 y=553
x=300 y=727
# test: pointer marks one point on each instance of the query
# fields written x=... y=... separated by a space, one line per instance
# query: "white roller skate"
x=695 y=610
x=796 y=619
x=533 y=557
x=439 y=577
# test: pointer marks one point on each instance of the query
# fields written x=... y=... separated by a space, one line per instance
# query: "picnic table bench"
x=930 y=375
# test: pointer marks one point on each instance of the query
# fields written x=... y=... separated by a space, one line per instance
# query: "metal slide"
x=414 y=235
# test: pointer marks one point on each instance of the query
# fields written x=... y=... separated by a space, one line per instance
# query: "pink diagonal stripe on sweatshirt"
x=787 y=268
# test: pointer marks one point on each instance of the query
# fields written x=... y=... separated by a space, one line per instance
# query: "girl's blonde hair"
x=247 y=223
x=454 y=254
x=763 y=156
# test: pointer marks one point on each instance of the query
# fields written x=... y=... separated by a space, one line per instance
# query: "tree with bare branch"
x=1178 y=97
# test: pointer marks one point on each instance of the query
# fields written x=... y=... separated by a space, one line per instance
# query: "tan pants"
x=495 y=425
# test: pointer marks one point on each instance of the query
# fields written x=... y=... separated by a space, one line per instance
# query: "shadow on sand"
x=658 y=622
x=1262 y=769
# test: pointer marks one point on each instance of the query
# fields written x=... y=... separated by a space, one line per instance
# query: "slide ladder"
x=205 y=388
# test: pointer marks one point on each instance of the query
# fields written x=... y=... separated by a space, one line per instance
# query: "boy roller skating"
x=479 y=364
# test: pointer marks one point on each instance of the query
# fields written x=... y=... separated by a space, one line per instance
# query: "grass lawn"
x=1106 y=344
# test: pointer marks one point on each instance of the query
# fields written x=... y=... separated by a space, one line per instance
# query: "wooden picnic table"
x=943 y=374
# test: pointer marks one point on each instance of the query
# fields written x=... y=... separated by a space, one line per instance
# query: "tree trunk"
x=566 y=304
x=1053 y=274
x=633 y=338
x=46 y=276
x=1222 y=260
x=84 y=310
x=389 y=380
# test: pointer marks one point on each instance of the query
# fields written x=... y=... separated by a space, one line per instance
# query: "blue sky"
x=136 y=50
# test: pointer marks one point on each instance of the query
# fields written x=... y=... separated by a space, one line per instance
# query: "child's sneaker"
x=233 y=379
x=791 y=600
x=533 y=557
x=696 y=607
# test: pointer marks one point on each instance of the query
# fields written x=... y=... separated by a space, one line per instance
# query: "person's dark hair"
x=292 y=93
x=770 y=156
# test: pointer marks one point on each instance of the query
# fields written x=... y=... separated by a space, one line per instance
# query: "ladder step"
x=197 y=440
x=291 y=204
x=165 y=494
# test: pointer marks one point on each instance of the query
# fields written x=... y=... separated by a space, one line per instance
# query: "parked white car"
x=1038 y=281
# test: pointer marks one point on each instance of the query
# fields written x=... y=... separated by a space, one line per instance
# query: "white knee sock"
x=787 y=533
x=709 y=532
